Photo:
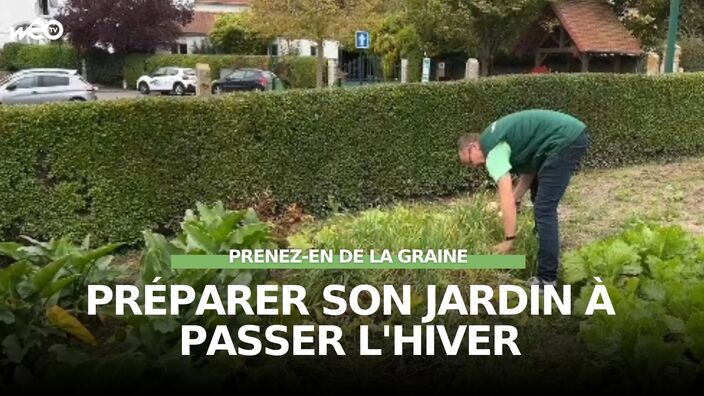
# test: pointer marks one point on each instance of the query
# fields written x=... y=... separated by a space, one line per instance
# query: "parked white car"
x=32 y=87
x=168 y=80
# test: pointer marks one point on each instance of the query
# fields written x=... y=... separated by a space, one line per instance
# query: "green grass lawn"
x=600 y=203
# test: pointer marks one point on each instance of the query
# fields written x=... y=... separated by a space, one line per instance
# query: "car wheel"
x=217 y=90
x=77 y=99
x=144 y=88
x=179 y=89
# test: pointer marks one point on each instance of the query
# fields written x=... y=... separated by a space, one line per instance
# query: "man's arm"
x=499 y=166
x=508 y=205
x=523 y=185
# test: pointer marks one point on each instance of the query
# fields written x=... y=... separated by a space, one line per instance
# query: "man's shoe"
x=533 y=281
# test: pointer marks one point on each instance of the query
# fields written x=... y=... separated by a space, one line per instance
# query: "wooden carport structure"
x=582 y=29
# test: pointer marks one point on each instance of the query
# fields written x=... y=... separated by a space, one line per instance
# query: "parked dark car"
x=247 y=80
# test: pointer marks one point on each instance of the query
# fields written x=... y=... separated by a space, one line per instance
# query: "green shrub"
x=134 y=67
x=8 y=55
x=41 y=294
x=44 y=292
x=296 y=71
x=105 y=68
x=112 y=169
x=692 y=54
x=16 y=56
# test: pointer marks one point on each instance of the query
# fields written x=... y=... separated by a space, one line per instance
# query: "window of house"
x=179 y=48
x=274 y=49
x=44 y=7
x=313 y=50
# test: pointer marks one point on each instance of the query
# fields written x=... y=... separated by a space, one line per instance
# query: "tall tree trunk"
x=484 y=60
x=84 y=68
x=321 y=64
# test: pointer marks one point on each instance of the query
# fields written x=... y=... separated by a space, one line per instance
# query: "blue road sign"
x=363 y=40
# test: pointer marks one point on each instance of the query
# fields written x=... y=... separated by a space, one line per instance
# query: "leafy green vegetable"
x=655 y=278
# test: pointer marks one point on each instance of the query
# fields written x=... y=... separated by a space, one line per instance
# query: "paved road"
x=113 y=94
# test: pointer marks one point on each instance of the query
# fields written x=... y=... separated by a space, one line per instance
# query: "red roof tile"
x=202 y=23
x=595 y=28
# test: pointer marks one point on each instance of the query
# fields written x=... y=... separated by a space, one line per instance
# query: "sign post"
x=362 y=41
x=673 y=30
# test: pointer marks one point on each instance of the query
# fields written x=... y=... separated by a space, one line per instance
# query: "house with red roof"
x=581 y=36
x=205 y=13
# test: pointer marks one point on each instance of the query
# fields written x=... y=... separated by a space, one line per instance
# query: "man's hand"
x=504 y=247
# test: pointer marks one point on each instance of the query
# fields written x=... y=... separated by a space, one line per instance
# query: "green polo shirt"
x=522 y=142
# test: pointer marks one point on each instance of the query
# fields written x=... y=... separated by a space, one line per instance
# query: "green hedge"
x=105 y=68
x=16 y=56
x=113 y=169
x=296 y=72
x=692 y=53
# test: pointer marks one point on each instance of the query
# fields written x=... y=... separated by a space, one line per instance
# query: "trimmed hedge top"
x=17 y=56
x=112 y=169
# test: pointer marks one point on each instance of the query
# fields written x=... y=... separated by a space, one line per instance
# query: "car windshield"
x=237 y=75
x=6 y=79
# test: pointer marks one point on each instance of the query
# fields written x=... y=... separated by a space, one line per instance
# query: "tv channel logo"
x=49 y=29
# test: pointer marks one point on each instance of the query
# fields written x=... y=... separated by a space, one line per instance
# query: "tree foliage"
x=233 y=34
x=649 y=19
x=478 y=27
x=395 y=39
x=316 y=20
x=646 y=19
x=125 y=25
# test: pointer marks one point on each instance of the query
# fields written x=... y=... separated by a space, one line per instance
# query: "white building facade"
x=21 y=13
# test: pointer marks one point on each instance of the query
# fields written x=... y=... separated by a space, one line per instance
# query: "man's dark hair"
x=466 y=140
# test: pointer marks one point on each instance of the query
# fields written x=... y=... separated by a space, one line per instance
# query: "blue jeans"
x=546 y=192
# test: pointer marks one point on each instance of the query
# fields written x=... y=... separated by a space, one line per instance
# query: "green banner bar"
x=223 y=262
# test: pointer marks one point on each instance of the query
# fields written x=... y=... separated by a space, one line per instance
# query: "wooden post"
x=204 y=85
x=585 y=62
